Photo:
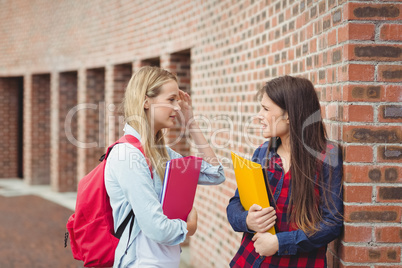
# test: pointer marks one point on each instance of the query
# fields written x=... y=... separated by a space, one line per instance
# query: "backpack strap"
x=130 y=217
x=123 y=225
x=131 y=140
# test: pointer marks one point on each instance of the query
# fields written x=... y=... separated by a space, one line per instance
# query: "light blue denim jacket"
x=130 y=186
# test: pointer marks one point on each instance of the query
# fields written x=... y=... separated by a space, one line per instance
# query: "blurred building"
x=64 y=66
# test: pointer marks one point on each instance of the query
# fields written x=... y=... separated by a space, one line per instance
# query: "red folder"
x=179 y=186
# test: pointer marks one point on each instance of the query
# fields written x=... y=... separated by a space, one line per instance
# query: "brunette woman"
x=304 y=182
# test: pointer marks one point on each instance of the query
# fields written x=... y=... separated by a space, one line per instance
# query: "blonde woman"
x=152 y=102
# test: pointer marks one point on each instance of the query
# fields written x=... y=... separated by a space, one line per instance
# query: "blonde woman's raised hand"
x=186 y=107
x=204 y=149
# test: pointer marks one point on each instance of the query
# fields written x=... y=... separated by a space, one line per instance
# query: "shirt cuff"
x=287 y=244
x=243 y=222
x=208 y=168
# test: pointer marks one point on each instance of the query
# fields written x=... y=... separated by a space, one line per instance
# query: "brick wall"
x=40 y=129
x=10 y=104
x=95 y=121
x=67 y=150
x=351 y=51
x=371 y=133
x=122 y=74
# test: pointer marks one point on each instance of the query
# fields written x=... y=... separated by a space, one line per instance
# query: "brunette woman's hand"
x=192 y=222
x=265 y=244
x=260 y=219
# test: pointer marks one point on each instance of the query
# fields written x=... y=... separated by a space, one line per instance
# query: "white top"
x=151 y=254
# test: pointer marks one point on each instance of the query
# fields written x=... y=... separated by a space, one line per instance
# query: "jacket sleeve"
x=209 y=174
x=332 y=212
x=237 y=215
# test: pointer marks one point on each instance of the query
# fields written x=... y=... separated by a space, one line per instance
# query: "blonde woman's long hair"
x=147 y=81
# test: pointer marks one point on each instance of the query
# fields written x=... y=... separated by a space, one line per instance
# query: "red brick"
x=331 y=76
x=389 y=73
x=374 y=52
x=356 y=72
x=374 y=254
x=372 y=214
x=355 y=173
x=372 y=134
x=369 y=11
x=358 y=113
x=310 y=31
x=332 y=253
x=390 y=113
x=337 y=17
x=393 y=93
x=391 y=32
x=389 y=194
x=388 y=234
x=334 y=245
x=372 y=174
x=357 y=234
x=391 y=154
x=313 y=47
x=335 y=132
x=332 y=40
x=357 y=153
x=341 y=265
x=366 y=93
x=357 y=194
x=330 y=259
x=356 y=31
x=333 y=112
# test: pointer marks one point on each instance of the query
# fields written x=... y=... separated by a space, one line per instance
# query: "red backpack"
x=91 y=228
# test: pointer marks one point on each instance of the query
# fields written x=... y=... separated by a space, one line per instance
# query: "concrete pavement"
x=32 y=226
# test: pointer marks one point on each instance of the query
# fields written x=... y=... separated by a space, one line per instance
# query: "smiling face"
x=162 y=110
x=273 y=119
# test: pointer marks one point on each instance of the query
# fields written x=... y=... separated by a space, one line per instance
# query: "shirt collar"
x=274 y=144
x=129 y=130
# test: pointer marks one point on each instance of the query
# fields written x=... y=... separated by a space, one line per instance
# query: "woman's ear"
x=146 y=103
x=287 y=117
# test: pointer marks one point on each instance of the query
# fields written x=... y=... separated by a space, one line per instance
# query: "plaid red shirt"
x=280 y=186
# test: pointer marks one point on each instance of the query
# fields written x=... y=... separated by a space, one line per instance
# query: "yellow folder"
x=250 y=183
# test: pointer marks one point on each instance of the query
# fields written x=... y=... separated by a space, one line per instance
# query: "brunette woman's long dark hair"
x=297 y=96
